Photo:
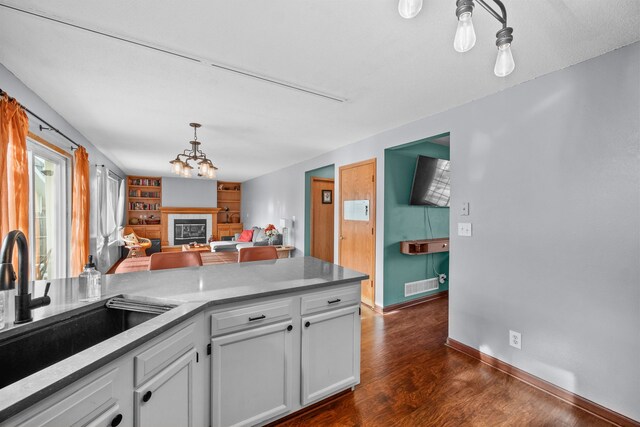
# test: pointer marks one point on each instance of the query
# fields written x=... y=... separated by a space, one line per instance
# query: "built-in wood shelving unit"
x=144 y=200
x=230 y=205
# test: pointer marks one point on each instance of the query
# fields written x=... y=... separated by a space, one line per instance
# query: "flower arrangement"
x=270 y=231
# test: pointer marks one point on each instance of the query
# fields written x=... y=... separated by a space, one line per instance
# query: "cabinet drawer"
x=438 y=247
x=151 y=361
x=80 y=407
x=246 y=317
x=330 y=299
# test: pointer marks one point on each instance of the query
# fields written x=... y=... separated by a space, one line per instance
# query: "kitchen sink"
x=38 y=348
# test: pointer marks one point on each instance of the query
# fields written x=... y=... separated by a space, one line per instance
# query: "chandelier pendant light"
x=465 y=37
x=180 y=165
x=409 y=8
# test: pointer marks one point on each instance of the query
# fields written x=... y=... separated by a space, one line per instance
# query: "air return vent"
x=413 y=288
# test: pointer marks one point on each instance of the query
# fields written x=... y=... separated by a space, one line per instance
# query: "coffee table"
x=197 y=248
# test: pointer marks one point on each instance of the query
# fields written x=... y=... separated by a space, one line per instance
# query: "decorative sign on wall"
x=356 y=210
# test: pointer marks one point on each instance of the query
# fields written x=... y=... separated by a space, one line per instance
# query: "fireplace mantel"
x=165 y=211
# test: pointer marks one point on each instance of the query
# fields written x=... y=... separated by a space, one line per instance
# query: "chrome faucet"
x=24 y=302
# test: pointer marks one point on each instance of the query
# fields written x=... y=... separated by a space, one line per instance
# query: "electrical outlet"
x=515 y=339
x=464 y=229
x=442 y=278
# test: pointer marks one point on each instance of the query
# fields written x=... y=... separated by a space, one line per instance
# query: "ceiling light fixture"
x=409 y=8
x=182 y=167
x=465 y=37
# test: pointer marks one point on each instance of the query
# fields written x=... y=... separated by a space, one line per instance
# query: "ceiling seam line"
x=214 y=65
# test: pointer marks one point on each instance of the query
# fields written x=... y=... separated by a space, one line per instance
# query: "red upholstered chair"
x=257 y=253
x=165 y=260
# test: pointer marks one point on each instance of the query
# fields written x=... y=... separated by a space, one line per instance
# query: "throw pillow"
x=245 y=236
x=131 y=238
x=259 y=235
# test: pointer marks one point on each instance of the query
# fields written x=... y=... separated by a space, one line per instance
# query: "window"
x=48 y=212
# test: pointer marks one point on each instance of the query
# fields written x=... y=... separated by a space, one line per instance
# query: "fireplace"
x=189 y=230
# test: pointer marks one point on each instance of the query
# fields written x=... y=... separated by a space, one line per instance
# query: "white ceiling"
x=135 y=103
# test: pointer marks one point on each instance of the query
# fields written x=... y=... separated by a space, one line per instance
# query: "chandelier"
x=180 y=165
x=465 y=37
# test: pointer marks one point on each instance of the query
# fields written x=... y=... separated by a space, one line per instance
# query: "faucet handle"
x=46 y=289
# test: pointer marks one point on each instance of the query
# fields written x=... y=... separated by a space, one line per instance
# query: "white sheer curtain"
x=120 y=213
x=109 y=218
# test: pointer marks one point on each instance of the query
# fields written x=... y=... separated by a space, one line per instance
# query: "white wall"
x=189 y=192
x=16 y=89
x=551 y=169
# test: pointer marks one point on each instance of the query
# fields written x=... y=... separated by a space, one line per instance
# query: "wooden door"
x=322 y=218
x=330 y=353
x=357 y=244
x=251 y=374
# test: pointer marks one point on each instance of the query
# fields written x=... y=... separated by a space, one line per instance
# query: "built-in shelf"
x=423 y=247
x=141 y=195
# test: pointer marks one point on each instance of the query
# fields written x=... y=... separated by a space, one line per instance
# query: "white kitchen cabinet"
x=93 y=402
x=167 y=399
x=252 y=373
x=330 y=353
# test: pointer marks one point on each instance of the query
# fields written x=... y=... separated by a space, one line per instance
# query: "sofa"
x=259 y=238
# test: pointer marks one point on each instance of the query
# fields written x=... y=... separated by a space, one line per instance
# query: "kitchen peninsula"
x=246 y=344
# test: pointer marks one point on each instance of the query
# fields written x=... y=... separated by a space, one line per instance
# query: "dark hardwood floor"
x=410 y=378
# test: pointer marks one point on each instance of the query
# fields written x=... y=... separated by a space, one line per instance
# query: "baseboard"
x=393 y=307
x=569 y=397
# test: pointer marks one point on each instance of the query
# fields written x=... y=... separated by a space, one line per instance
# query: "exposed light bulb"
x=465 y=34
x=409 y=8
x=504 y=62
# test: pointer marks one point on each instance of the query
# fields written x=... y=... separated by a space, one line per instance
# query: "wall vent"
x=420 y=286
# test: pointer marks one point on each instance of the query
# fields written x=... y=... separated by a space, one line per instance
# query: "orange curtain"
x=80 y=212
x=14 y=167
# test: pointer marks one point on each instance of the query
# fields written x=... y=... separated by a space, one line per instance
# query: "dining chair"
x=166 y=260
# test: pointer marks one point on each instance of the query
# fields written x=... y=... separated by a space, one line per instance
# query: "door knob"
x=341 y=238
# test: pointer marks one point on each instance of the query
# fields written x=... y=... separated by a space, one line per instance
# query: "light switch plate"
x=464 y=229
x=465 y=209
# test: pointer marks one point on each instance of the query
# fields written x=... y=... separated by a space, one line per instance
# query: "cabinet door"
x=167 y=398
x=251 y=373
x=140 y=231
x=235 y=228
x=223 y=230
x=330 y=353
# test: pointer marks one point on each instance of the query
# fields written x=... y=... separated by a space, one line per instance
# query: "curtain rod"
x=2 y=92
x=110 y=171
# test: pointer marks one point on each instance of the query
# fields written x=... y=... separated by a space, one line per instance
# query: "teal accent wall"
x=405 y=222
x=323 y=172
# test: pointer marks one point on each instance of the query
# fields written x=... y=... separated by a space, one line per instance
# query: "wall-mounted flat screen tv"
x=431 y=182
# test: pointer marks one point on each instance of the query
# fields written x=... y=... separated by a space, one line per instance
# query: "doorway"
x=322 y=208
x=357 y=237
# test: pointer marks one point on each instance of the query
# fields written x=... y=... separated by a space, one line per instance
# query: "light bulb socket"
x=464 y=6
x=504 y=36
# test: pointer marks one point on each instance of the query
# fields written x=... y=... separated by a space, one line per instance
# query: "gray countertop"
x=194 y=289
